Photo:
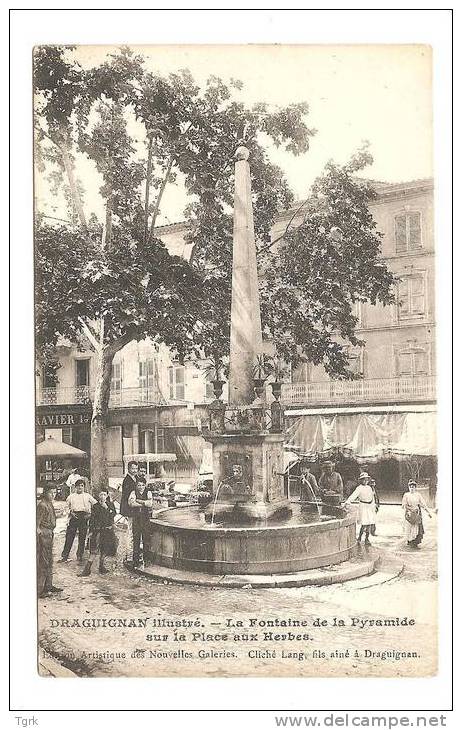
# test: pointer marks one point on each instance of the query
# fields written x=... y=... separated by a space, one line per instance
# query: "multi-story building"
x=158 y=405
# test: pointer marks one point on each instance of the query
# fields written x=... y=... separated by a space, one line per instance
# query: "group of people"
x=365 y=494
x=330 y=482
x=91 y=521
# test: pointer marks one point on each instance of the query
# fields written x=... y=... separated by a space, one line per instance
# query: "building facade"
x=158 y=405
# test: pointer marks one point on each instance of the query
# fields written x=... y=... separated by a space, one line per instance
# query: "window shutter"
x=417 y=295
x=403 y=296
x=150 y=373
x=355 y=363
x=116 y=377
x=179 y=373
x=405 y=363
x=400 y=233
x=421 y=363
x=171 y=382
x=415 y=233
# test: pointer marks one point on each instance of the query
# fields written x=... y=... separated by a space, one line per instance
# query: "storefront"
x=392 y=444
x=69 y=423
x=160 y=429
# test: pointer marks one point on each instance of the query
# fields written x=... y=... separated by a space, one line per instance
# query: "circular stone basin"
x=181 y=539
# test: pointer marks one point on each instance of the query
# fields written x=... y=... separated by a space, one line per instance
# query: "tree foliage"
x=143 y=132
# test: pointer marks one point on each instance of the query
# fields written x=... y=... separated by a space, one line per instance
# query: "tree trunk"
x=69 y=167
x=99 y=473
x=105 y=354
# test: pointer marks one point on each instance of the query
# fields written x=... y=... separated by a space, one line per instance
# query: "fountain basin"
x=180 y=540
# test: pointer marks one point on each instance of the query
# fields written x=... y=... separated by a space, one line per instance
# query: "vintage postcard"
x=236 y=454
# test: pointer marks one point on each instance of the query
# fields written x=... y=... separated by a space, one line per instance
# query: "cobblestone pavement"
x=317 y=650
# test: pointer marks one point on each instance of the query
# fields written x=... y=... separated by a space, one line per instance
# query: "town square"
x=236 y=462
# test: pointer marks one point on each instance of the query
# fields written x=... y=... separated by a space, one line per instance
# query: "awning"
x=149 y=458
x=51 y=447
x=365 y=436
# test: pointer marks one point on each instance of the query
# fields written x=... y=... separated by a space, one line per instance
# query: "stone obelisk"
x=246 y=337
x=248 y=456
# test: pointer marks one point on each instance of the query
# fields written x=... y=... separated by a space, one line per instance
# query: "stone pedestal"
x=248 y=478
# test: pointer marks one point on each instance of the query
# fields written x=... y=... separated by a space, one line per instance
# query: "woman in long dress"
x=413 y=504
x=364 y=494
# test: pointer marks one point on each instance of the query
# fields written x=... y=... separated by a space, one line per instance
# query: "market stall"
x=55 y=459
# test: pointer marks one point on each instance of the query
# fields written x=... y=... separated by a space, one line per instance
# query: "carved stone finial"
x=242 y=153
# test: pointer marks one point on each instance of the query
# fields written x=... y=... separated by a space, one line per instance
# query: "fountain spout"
x=306 y=483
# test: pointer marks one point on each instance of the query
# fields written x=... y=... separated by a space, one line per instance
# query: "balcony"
x=63 y=396
x=379 y=390
x=132 y=397
x=124 y=397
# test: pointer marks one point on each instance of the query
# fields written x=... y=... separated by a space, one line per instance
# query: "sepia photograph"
x=235 y=361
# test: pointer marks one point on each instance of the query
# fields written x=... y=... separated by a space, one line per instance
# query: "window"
x=408 y=232
x=49 y=378
x=67 y=436
x=413 y=361
x=176 y=382
x=82 y=372
x=411 y=296
x=146 y=374
x=160 y=441
x=116 y=377
x=356 y=364
x=302 y=373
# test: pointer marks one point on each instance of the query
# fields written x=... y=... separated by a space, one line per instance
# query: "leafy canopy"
x=143 y=131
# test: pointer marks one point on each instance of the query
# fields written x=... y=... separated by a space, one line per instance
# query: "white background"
x=33 y=694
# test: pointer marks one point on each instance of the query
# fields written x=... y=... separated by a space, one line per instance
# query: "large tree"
x=113 y=279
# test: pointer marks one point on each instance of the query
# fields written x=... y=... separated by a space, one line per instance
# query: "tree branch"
x=121 y=341
x=91 y=335
x=159 y=198
x=148 y=184
x=69 y=167
x=283 y=235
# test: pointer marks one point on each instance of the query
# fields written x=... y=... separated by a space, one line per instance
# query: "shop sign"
x=58 y=420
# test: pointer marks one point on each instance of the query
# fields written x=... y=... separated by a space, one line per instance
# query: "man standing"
x=46 y=523
x=128 y=485
x=79 y=504
x=140 y=501
x=308 y=483
x=330 y=481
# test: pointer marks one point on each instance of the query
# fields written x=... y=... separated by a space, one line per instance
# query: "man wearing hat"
x=364 y=494
x=46 y=523
x=330 y=480
x=79 y=504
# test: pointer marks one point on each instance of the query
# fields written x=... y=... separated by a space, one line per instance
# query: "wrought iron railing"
x=126 y=397
x=63 y=395
x=377 y=390
x=84 y=394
